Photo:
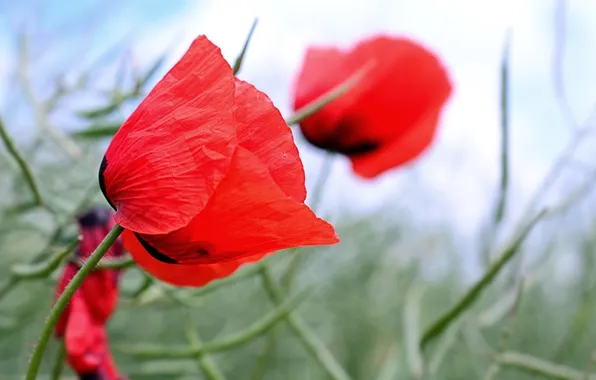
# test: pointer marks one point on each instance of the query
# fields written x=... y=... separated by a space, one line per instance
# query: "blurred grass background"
x=373 y=295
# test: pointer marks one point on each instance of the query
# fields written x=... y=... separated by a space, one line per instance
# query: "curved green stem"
x=466 y=302
x=65 y=297
x=309 y=339
x=258 y=328
x=59 y=363
x=22 y=165
x=337 y=91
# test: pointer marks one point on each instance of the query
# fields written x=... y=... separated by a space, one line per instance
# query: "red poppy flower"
x=87 y=344
x=82 y=324
x=204 y=175
x=387 y=118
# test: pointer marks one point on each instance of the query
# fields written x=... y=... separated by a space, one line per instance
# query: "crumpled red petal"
x=263 y=131
x=248 y=215
x=171 y=153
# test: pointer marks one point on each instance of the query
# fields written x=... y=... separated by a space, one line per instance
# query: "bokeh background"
x=413 y=240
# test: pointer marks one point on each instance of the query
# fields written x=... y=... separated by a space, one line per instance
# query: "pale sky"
x=454 y=183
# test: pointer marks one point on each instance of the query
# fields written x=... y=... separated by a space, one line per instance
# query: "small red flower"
x=82 y=323
x=387 y=118
x=205 y=176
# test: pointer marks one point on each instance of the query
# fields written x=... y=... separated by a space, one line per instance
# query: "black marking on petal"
x=154 y=252
x=102 y=181
x=343 y=140
x=359 y=149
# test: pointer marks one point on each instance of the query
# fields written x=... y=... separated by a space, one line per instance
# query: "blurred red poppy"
x=389 y=117
x=82 y=324
x=205 y=176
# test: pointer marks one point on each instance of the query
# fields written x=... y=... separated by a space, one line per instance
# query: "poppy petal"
x=248 y=215
x=398 y=152
x=407 y=85
x=182 y=275
x=263 y=131
x=169 y=156
x=84 y=338
x=100 y=291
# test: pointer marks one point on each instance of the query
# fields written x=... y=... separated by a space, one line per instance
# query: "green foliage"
x=364 y=309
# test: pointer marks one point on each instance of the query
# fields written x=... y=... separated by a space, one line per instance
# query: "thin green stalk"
x=205 y=363
x=443 y=347
x=12 y=280
x=311 y=342
x=238 y=63
x=62 y=140
x=504 y=164
x=145 y=284
x=501 y=200
x=542 y=367
x=246 y=272
x=411 y=330
x=64 y=299
x=124 y=263
x=43 y=269
x=506 y=333
x=444 y=321
x=22 y=164
x=59 y=363
x=330 y=95
x=256 y=329
x=262 y=362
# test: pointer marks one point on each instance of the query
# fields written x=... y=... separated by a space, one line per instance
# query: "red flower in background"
x=386 y=119
x=204 y=175
x=82 y=324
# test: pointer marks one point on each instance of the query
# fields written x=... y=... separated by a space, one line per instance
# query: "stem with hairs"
x=64 y=299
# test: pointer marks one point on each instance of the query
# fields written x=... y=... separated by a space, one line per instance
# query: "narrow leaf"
x=238 y=63
x=97 y=131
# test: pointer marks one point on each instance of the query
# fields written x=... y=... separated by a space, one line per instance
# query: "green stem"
x=504 y=182
x=443 y=322
x=256 y=329
x=64 y=299
x=330 y=95
x=112 y=264
x=59 y=363
x=42 y=269
x=22 y=164
x=311 y=342
x=41 y=115
x=238 y=63
x=204 y=361
x=542 y=367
